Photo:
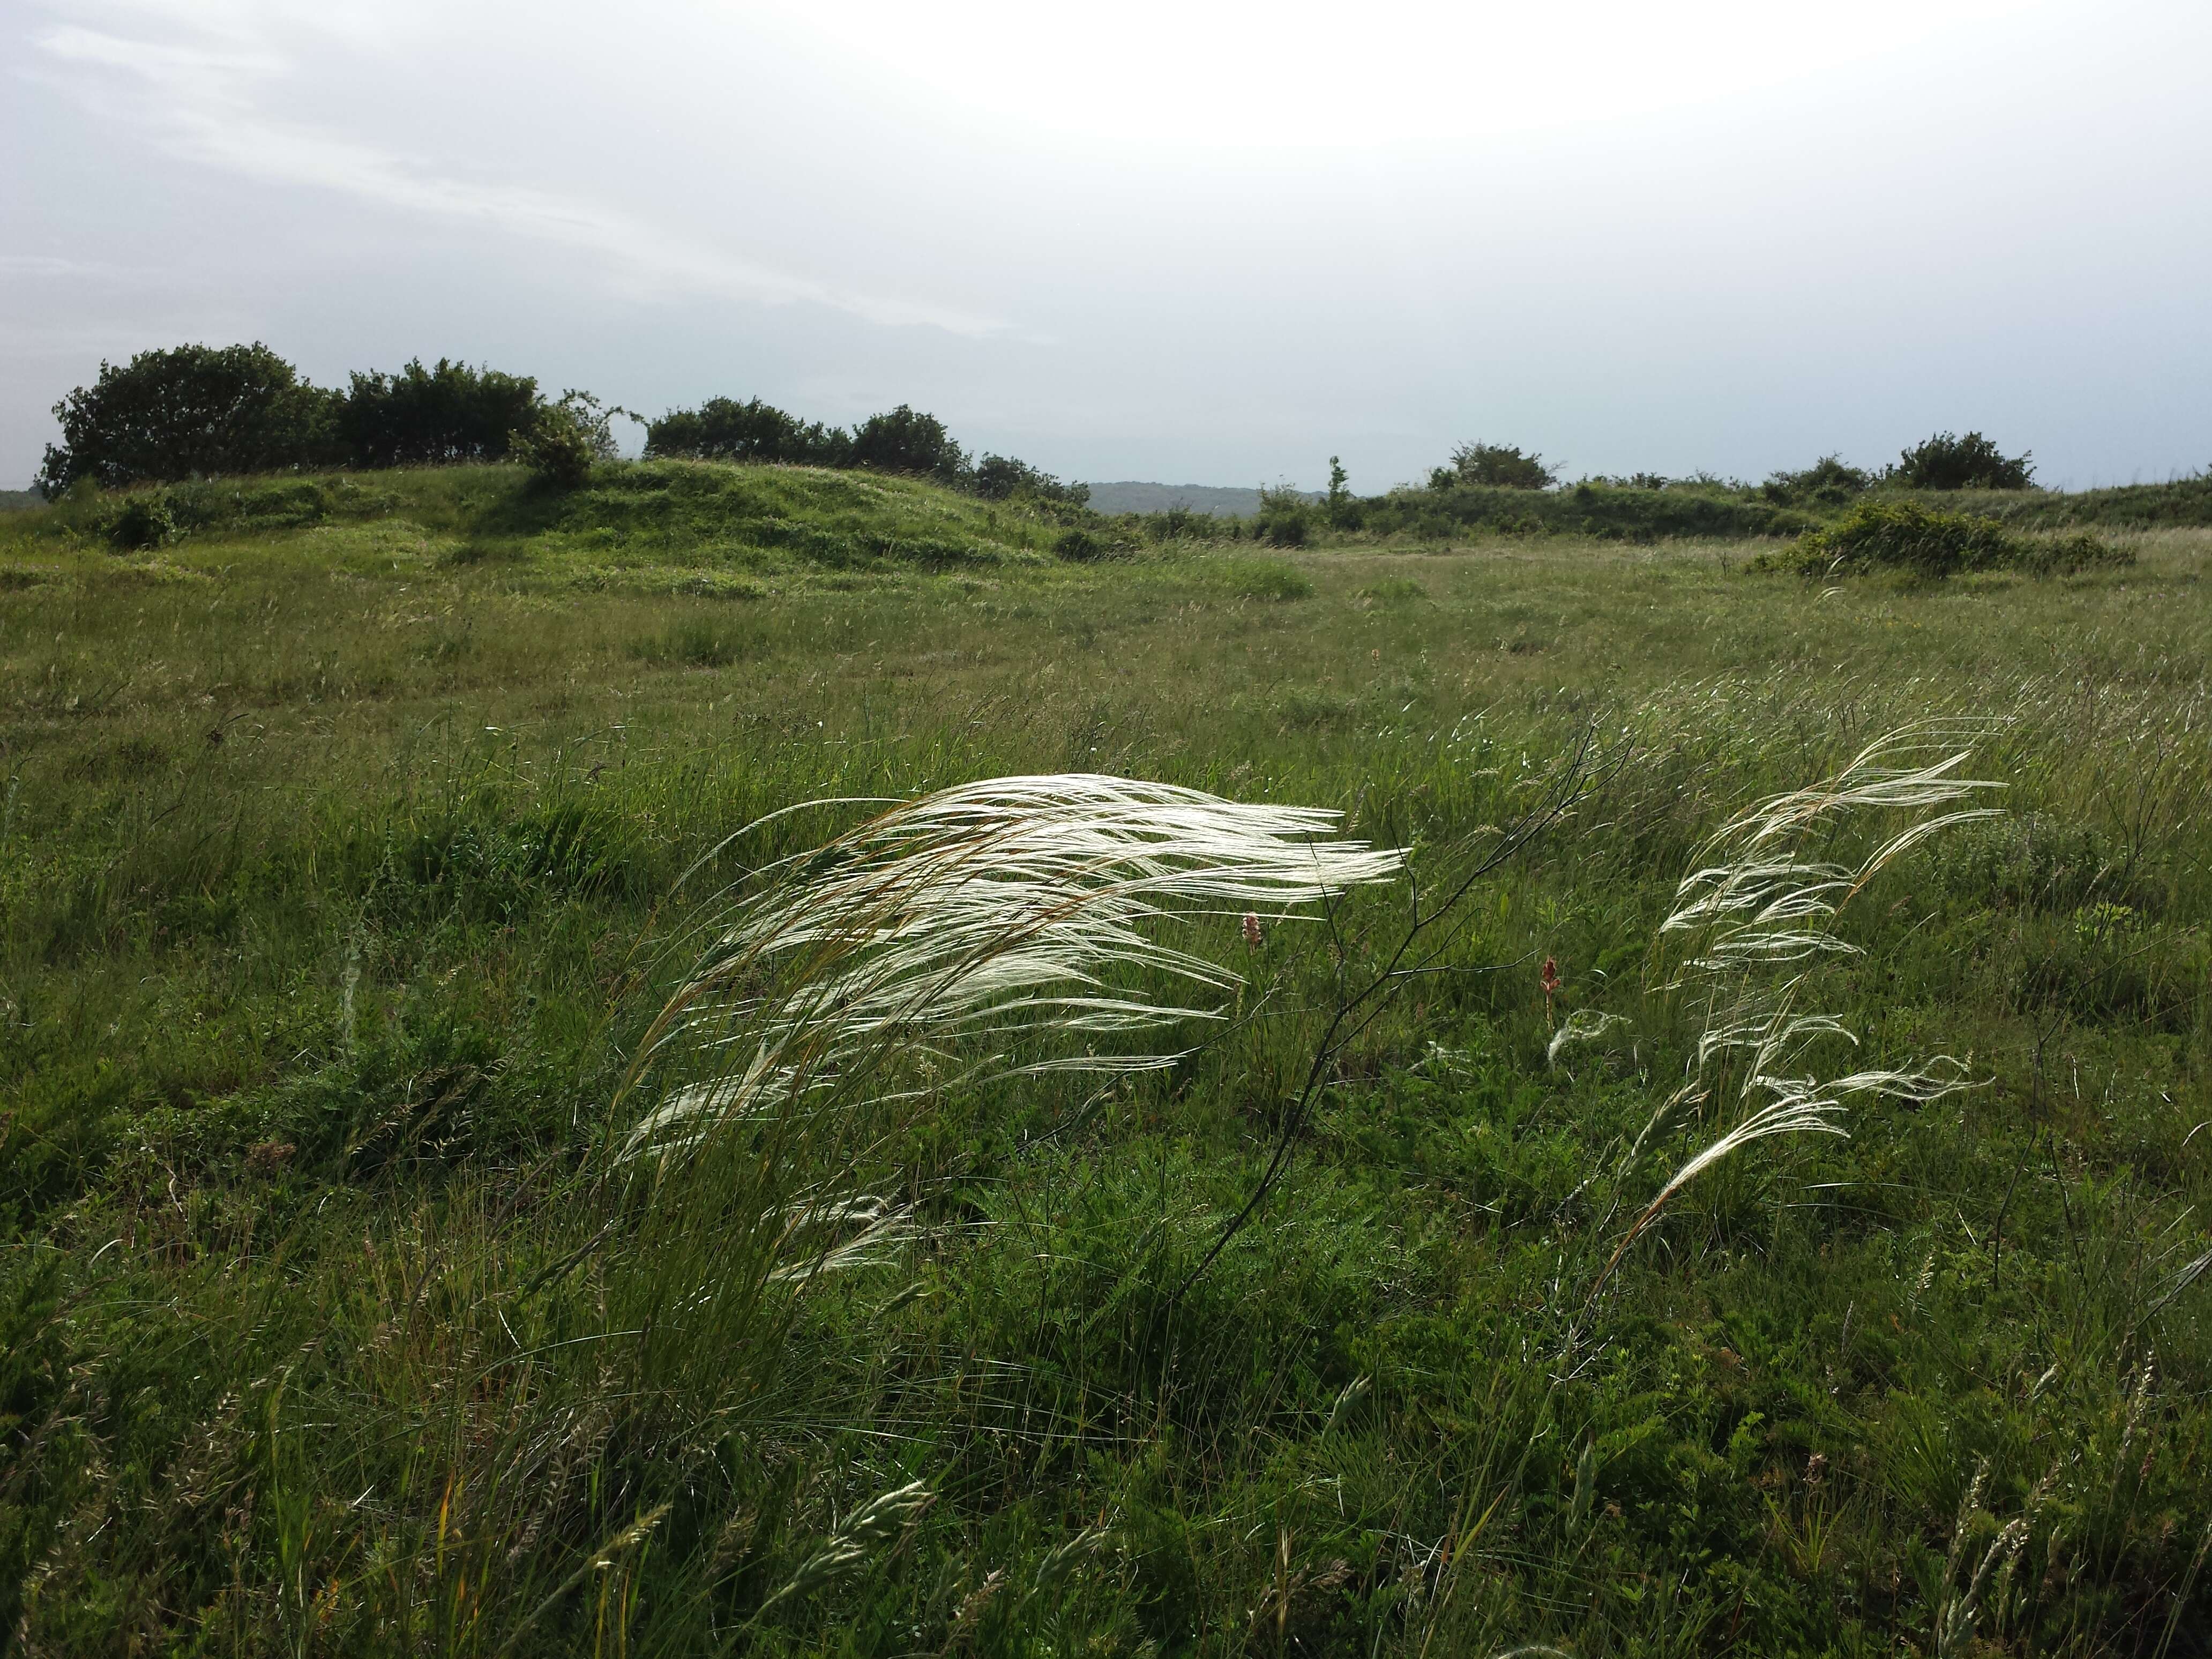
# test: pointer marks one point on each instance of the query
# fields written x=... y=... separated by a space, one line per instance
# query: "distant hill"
x=14 y=500
x=1222 y=500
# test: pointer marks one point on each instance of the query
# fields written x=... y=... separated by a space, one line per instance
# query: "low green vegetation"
x=1932 y=543
x=358 y=826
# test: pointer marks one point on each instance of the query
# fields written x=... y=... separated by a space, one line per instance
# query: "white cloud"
x=202 y=99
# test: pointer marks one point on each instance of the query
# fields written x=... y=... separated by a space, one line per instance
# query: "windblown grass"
x=336 y=909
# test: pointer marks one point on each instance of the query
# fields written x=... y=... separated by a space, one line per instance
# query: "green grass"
x=339 y=850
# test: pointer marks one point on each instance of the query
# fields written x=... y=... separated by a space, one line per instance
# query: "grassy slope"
x=338 y=835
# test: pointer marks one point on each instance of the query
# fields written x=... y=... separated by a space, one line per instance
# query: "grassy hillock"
x=2183 y=502
x=754 y=518
x=355 y=828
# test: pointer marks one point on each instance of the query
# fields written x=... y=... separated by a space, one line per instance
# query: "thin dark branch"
x=1357 y=1011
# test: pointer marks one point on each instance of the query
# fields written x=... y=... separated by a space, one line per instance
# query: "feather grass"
x=1757 y=903
x=983 y=913
x=1013 y=927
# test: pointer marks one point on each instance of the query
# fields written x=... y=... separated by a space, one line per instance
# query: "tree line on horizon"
x=1943 y=461
x=197 y=411
x=201 y=411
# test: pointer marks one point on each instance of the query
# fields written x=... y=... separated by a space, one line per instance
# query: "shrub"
x=1499 y=466
x=565 y=438
x=902 y=440
x=1947 y=461
x=1001 y=477
x=1078 y=545
x=1826 y=483
x=191 y=411
x=1182 y=524
x=141 y=523
x=449 y=413
x=907 y=441
x=555 y=447
x=724 y=430
x=1284 y=518
x=1931 y=542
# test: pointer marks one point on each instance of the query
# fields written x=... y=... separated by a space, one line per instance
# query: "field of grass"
x=343 y=868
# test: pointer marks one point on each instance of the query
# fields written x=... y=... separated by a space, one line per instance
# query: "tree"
x=1947 y=461
x=449 y=413
x=1343 y=508
x=189 y=411
x=1496 y=466
x=907 y=441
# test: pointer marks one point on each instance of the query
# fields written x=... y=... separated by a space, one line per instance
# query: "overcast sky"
x=1205 y=241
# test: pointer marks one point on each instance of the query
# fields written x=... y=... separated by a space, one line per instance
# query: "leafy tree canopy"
x=907 y=441
x=1947 y=461
x=724 y=430
x=449 y=413
x=188 y=411
x=1497 y=466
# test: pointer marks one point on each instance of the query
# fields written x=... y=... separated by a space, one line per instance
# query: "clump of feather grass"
x=1759 y=901
x=1009 y=928
x=1013 y=927
x=929 y=940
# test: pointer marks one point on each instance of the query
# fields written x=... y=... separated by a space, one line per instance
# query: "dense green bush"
x=1947 y=461
x=564 y=439
x=1929 y=541
x=1494 y=466
x=907 y=441
x=203 y=412
x=449 y=413
x=143 y=522
x=191 y=411
x=1079 y=545
x=1827 y=482
x=1286 y=518
x=556 y=448
x=724 y=430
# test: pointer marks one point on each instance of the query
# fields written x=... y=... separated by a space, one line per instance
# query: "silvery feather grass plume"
x=970 y=916
x=1757 y=905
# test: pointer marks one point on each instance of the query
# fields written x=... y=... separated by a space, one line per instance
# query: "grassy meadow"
x=352 y=840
